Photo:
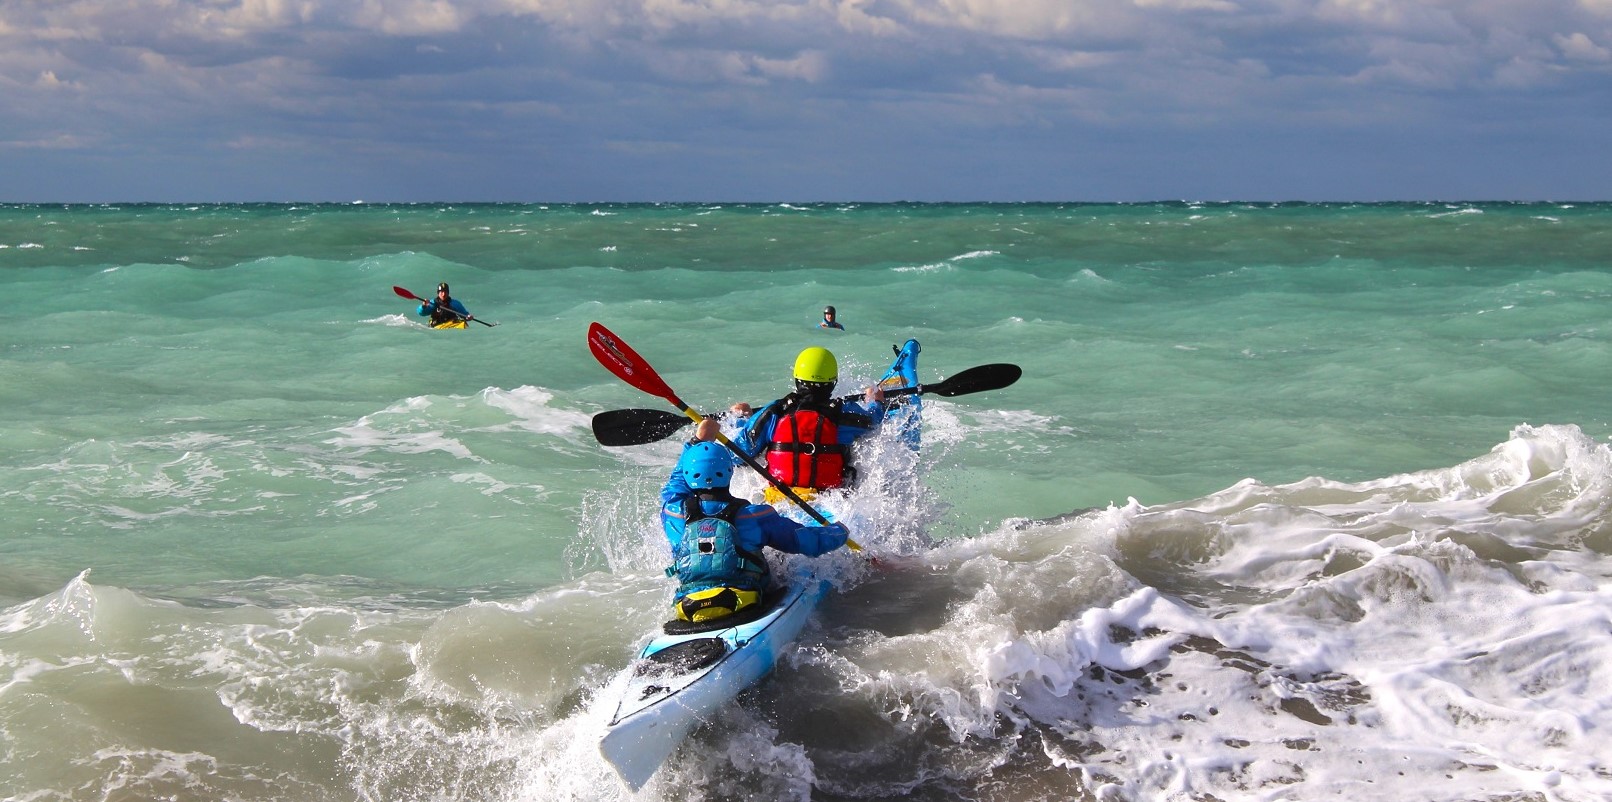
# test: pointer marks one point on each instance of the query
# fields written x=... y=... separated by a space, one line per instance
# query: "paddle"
x=448 y=309
x=622 y=360
x=634 y=427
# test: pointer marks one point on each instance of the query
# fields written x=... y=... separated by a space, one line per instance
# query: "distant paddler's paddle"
x=450 y=310
x=635 y=427
x=622 y=360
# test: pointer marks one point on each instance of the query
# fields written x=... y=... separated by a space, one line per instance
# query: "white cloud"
x=1417 y=66
x=57 y=142
x=736 y=67
x=1065 y=60
x=250 y=16
x=410 y=17
x=54 y=33
x=1190 y=5
x=810 y=67
x=1023 y=19
x=853 y=17
x=676 y=13
x=1578 y=47
x=1523 y=73
x=1423 y=22
x=48 y=81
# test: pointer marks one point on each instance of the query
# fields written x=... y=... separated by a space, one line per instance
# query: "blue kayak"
x=688 y=671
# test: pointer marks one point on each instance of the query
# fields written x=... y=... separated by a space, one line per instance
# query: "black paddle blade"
x=635 y=427
x=977 y=380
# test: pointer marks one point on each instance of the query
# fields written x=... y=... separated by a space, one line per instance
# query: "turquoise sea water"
x=265 y=536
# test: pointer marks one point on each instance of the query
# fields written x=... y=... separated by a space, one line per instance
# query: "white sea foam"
x=364 y=435
x=490 y=486
x=1338 y=635
x=373 y=432
x=532 y=410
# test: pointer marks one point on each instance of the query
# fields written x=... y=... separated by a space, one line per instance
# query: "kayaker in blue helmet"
x=717 y=539
x=807 y=435
x=830 y=319
x=442 y=308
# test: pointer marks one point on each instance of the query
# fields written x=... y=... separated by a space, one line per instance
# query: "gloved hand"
x=836 y=533
x=815 y=541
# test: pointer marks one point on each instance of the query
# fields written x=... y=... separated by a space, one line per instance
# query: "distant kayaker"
x=444 y=308
x=717 y=539
x=830 y=319
x=807 y=435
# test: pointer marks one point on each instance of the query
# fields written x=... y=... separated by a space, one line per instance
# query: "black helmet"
x=443 y=287
x=828 y=310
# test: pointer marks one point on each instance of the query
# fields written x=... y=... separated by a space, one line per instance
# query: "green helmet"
x=817 y=365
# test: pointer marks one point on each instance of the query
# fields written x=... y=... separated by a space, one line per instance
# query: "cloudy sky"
x=758 y=100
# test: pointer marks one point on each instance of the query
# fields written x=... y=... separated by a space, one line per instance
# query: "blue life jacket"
x=709 y=555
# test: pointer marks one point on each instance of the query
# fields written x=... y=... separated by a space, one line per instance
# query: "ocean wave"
x=1327 y=633
x=1319 y=634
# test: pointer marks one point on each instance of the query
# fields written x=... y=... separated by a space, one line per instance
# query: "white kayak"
x=684 y=676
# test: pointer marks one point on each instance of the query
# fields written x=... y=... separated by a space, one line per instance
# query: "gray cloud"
x=741 y=99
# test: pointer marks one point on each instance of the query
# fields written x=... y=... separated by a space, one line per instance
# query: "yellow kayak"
x=452 y=324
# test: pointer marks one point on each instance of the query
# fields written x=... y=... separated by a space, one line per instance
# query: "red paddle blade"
x=404 y=293
x=620 y=359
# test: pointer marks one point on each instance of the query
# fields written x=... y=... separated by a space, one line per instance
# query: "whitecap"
x=494 y=487
x=529 y=406
x=366 y=434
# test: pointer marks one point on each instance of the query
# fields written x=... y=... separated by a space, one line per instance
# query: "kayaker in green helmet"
x=807 y=435
x=717 y=539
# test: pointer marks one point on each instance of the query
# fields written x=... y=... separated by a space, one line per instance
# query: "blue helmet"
x=706 y=465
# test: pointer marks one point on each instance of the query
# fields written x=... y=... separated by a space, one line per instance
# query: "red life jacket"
x=805 y=449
